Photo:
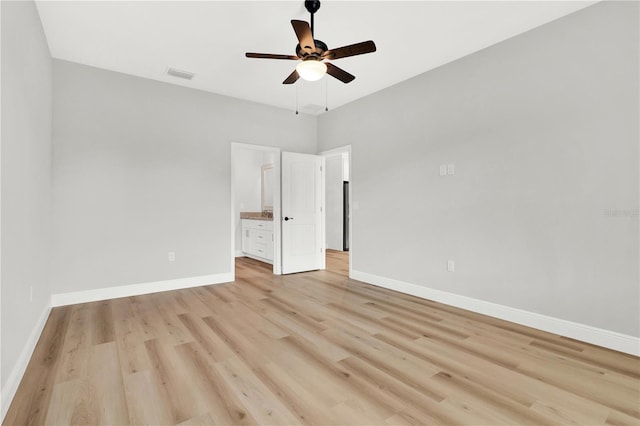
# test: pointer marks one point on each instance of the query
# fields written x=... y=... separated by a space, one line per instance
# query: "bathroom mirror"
x=267 y=187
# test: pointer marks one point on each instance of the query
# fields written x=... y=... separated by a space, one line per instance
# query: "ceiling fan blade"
x=351 y=50
x=339 y=73
x=303 y=32
x=270 y=56
x=293 y=77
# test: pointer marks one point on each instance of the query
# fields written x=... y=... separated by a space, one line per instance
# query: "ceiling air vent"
x=180 y=74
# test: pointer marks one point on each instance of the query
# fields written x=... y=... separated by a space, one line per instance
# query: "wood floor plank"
x=314 y=348
x=204 y=420
x=403 y=366
x=500 y=403
x=31 y=402
x=508 y=382
x=332 y=377
x=585 y=384
x=145 y=400
x=129 y=340
x=618 y=418
x=323 y=345
x=146 y=318
x=76 y=343
x=394 y=392
x=190 y=303
x=209 y=341
x=166 y=319
x=263 y=405
x=102 y=322
x=246 y=343
x=224 y=407
x=173 y=384
x=298 y=398
x=63 y=403
x=96 y=397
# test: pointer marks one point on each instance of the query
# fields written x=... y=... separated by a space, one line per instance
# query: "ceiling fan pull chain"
x=326 y=94
x=296 y=99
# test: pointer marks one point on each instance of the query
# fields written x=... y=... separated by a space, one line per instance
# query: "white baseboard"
x=15 y=376
x=586 y=333
x=239 y=253
x=72 y=298
x=261 y=259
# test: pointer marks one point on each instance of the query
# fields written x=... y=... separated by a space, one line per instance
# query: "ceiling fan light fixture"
x=311 y=70
x=313 y=52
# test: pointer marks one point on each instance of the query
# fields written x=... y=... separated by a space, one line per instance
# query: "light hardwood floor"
x=314 y=348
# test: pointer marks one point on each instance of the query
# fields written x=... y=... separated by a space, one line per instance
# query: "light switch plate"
x=451 y=266
x=451 y=169
x=443 y=169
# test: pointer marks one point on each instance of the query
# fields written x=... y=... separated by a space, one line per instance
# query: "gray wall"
x=542 y=212
x=26 y=177
x=142 y=168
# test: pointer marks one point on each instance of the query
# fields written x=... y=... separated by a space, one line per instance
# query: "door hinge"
x=320 y=168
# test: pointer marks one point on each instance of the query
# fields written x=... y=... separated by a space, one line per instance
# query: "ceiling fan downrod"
x=312 y=6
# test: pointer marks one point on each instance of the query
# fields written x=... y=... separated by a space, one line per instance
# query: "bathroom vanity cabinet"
x=257 y=239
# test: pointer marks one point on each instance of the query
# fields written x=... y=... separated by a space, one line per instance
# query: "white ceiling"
x=209 y=38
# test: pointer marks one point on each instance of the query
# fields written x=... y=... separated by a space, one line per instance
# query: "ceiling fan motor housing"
x=321 y=47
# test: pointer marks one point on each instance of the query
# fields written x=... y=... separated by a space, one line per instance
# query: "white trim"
x=258 y=258
x=323 y=211
x=277 y=214
x=586 y=333
x=341 y=150
x=336 y=151
x=239 y=253
x=3 y=410
x=15 y=376
x=137 y=289
x=277 y=264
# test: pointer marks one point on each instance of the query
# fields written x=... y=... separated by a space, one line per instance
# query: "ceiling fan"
x=314 y=54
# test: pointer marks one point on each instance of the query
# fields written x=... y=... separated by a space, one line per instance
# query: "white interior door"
x=302 y=213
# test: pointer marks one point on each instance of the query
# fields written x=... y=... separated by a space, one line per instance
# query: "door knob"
x=288 y=218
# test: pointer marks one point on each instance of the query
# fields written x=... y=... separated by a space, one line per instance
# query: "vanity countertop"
x=256 y=216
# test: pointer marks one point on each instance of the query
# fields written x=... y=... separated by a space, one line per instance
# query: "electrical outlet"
x=451 y=266
x=172 y=256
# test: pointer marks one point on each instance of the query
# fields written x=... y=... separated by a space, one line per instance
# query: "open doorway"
x=255 y=194
x=338 y=212
x=266 y=182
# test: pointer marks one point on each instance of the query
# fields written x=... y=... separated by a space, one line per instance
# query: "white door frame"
x=277 y=262
x=340 y=150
